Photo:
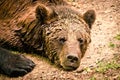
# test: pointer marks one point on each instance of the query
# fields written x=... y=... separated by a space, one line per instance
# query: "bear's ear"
x=45 y=15
x=89 y=17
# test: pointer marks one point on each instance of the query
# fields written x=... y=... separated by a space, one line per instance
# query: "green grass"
x=117 y=37
x=92 y=78
x=104 y=66
x=112 y=45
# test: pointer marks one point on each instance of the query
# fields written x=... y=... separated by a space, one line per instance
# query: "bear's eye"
x=81 y=41
x=62 y=40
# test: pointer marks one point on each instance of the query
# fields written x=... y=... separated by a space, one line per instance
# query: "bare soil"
x=106 y=27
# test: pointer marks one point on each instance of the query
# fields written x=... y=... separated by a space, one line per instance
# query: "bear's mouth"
x=69 y=68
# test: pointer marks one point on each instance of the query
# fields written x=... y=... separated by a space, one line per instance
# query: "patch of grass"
x=117 y=37
x=112 y=45
x=92 y=78
x=119 y=77
x=104 y=66
x=87 y=69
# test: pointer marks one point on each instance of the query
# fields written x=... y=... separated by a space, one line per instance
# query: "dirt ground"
x=103 y=47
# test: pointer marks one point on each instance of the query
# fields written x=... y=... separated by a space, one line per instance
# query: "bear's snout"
x=71 y=62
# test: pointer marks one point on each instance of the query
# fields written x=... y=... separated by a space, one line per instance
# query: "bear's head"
x=61 y=33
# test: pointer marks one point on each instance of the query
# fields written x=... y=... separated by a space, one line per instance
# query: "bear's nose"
x=72 y=58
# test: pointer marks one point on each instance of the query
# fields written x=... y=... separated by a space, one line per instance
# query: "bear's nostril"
x=72 y=58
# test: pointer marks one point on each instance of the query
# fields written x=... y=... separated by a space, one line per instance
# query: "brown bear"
x=51 y=28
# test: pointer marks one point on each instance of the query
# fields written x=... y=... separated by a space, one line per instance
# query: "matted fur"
x=50 y=27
